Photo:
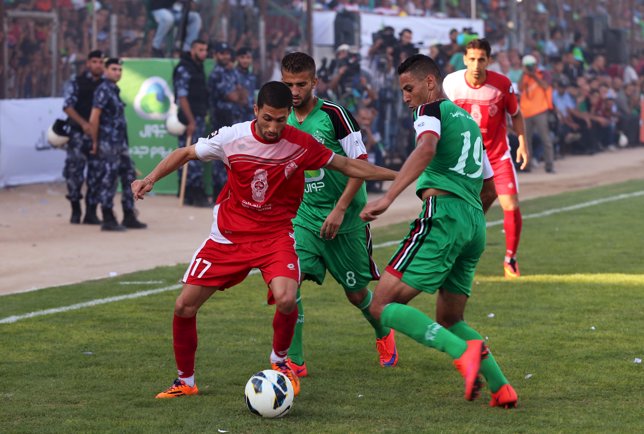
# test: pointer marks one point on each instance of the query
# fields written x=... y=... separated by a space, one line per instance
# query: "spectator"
x=536 y=100
x=631 y=73
x=627 y=101
x=571 y=128
x=373 y=143
x=168 y=13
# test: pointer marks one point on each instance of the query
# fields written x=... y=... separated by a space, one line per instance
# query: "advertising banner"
x=146 y=89
x=25 y=155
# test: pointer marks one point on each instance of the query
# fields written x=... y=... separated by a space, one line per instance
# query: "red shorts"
x=226 y=265
x=505 y=176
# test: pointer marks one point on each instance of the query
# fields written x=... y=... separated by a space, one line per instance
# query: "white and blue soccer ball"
x=269 y=394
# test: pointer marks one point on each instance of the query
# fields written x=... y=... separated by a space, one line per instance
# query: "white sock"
x=275 y=358
x=190 y=381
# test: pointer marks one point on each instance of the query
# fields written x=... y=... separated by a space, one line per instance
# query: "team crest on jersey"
x=289 y=169
x=492 y=109
x=317 y=135
x=476 y=113
x=259 y=185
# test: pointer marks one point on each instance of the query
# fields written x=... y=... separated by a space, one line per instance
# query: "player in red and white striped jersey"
x=489 y=97
x=265 y=160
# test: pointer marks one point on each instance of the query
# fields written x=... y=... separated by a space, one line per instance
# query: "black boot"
x=90 y=216
x=130 y=221
x=76 y=213
x=109 y=221
x=200 y=198
x=195 y=196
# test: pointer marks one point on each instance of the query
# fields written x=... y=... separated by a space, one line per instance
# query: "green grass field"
x=567 y=335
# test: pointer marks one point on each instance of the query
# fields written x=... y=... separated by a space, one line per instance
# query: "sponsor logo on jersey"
x=317 y=135
x=313 y=175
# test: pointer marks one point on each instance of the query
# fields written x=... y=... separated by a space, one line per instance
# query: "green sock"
x=489 y=368
x=381 y=331
x=295 y=352
x=422 y=329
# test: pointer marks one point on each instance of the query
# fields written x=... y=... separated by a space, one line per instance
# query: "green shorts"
x=443 y=247
x=347 y=257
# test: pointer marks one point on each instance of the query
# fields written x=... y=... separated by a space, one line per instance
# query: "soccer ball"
x=269 y=394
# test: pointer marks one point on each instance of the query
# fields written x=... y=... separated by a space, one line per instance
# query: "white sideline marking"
x=15 y=318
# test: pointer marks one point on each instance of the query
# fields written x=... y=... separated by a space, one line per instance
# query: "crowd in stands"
x=596 y=102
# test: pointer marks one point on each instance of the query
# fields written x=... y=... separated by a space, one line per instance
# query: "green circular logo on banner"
x=153 y=99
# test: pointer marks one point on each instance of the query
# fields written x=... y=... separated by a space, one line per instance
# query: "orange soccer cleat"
x=469 y=365
x=386 y=346
x=511 y=269
x=300 y=370
x=505 y=397
x=178 y=388
x=285 y=369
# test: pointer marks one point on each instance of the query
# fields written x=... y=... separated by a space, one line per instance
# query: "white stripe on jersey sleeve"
x=426 y=123
x=212 y=147
x=352 y=145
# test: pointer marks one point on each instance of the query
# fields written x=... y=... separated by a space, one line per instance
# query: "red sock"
x=283 y=329
x=512 y=223
x=184 y=333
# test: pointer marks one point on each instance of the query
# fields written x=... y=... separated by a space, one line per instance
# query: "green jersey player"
x=445 y=242
x=329 y=233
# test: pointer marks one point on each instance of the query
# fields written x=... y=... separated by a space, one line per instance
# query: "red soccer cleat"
x=386 y=347
x=505 y=397
x=469 y=365
x=300 y=370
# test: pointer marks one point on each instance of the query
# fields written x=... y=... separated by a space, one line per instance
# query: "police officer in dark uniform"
x=109 y=144
x=191 y=93
x=225 y=96
x=78 y=95
x=248 y=81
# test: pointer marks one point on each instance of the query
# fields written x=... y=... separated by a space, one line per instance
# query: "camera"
x=387 y=36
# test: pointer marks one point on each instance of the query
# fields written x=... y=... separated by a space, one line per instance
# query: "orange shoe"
x=387 y=348
x=285 y=369
x=178 y=388
x=505 y=397
x=469 y=364
x=300 y=370
x=511 y=269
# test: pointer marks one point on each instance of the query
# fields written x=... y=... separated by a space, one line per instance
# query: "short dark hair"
x=95 y=54
x=420 y=66
x=298 y=62
x=113 y=61
x=275 y=94
x=198 y=41
x=479 y=44
x=244 y=50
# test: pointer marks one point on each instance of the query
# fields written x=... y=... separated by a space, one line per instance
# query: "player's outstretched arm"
x=361 y=169
x=169 y=164
x=417 y=161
